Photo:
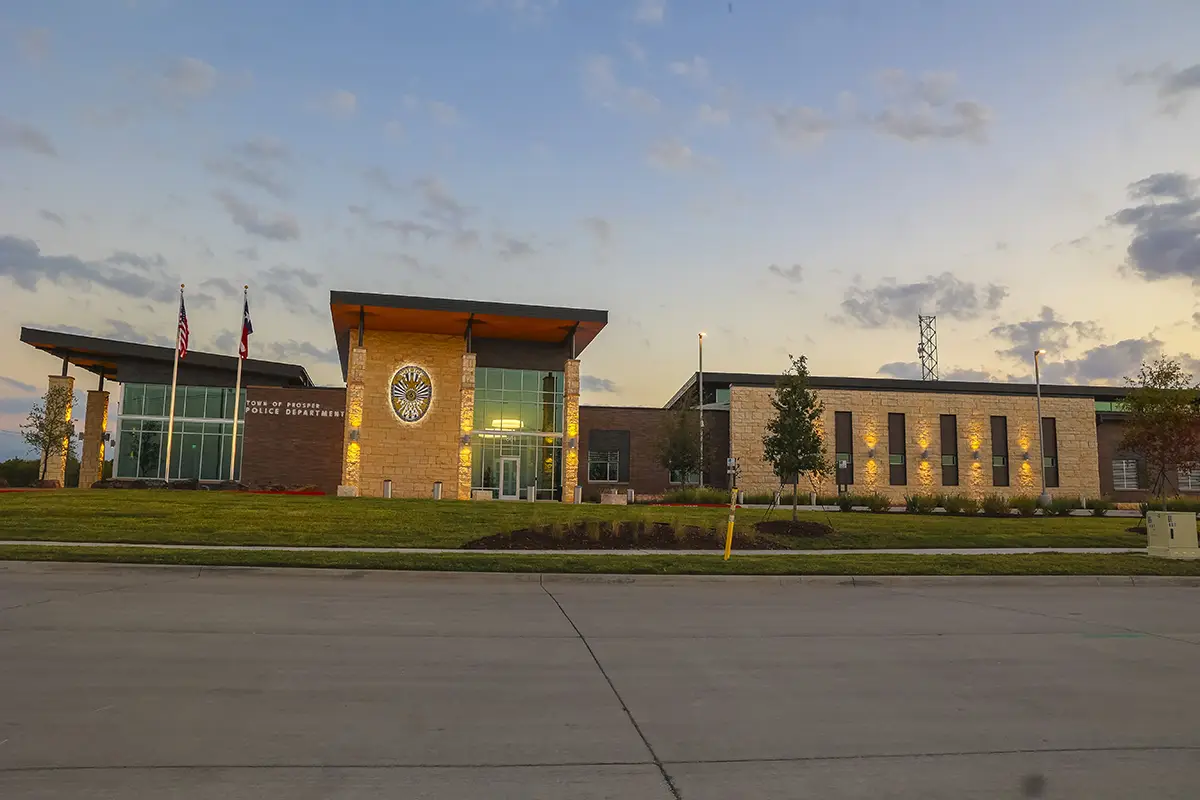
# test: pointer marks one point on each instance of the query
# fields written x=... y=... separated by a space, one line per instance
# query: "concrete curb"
x=852 y=581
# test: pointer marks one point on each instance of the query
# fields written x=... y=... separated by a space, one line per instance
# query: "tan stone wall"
x=750 y=411
x=570 y=430
x=91 y=459
x=56 y=459
x=411 y=455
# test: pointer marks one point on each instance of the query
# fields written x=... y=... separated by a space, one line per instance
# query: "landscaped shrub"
x=1061 y=507
x=1183 y=504
x=996 y=505
x=844 y=502
x=960 y=504
x=1026 y=505
x=697 y=496
x=921 y=503
x=877 y=503
x=1098 y=507
x=970 y=506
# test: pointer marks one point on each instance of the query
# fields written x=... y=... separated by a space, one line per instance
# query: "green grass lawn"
x=190 y=517
x=834 y=564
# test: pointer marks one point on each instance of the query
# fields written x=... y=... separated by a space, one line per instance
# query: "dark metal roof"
x=478 y=307
x=148 y=363
x=727 y=379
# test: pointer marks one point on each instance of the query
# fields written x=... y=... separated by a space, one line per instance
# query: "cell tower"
x=927 y=348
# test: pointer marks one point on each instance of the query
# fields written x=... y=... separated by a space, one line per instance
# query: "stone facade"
x=412 y=455
x=466 y=423
x=570 y=478
x=56 y=459
x=91 y=458
x=750 y=411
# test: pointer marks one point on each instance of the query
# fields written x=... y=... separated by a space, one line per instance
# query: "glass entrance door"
x=510 y=478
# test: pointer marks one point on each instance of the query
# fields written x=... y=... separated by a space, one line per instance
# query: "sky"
x=791 y=178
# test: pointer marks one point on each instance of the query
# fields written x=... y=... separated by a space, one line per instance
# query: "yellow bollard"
x=729 y=530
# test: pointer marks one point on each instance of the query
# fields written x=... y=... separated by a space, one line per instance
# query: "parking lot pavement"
x=179 y=682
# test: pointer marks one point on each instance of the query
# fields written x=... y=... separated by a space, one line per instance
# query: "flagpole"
x=237 y=386
x=174 y=381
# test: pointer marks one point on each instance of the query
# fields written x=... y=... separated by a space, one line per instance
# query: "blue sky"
x=790 y=177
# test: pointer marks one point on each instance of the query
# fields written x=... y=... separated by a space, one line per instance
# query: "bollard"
x=437 y=490
x=629 y=496
x=778 y=498
x=387 y=489
x=741 y=498
x=578 y=498
x=531 y=493
x=812 y=498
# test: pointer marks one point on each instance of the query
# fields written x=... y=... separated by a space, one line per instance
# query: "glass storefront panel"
x=134 y=400
x=202 y=438
x=538 y=462
x=156 y=400
x=512 y=400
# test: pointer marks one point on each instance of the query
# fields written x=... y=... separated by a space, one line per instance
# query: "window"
x=897 y=468
x=1189 y=480
x=604 y=466
x=1050 y=451
x=201 y=441
x=691 y=479
x=843 y=435
x=949 y=431
x=999 y=451
x=1125 y=474
x=518 y=401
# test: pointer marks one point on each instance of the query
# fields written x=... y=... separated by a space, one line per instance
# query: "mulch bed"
x=785 y=527
x=627 y=536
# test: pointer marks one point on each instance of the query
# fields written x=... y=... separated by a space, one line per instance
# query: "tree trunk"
x=45 y=463
x=795 y=499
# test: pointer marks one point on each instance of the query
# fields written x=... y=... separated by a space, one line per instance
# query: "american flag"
x=247 y=329
x=181 y=337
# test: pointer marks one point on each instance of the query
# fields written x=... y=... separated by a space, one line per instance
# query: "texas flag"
x=247 y=329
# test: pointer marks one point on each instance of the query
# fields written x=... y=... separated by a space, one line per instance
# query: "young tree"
x=793 y=444
x=1163 y=426
x=48 y=428
x=679 y=444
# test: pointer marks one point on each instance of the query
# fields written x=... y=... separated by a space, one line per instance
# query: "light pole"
x=1044 y=499
x=700 y=373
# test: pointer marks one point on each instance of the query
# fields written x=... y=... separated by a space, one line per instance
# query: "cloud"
x=590 y=383
x=636 y=52
x=443 y=113
x=946 y=295
x=650 y=12
x=675 y=155
x=1109 y=363
x=404 y=228
x=15 y=385
x=800 y=125
x=248 y=253
x=50 y=216
x=440 y=203
x=602 y=86
x=220 y=285
x=289 y=284
x=23 y=262
x=340 y=103
x=512 y=248
x=911 y=370
x=711 y=115
x=905 y=370
x=790 y=274
x=394 y=130
x=256 y=162
x=379 y=178
x=1165 y=225
x=21 y=136
x=292 y=350
x=696 y=68
x=600 y=228
x=281 y=228
x=120 y=330
x=531 y=10
x=35 y=44
x=1048 y=332
x=921 y=108
x=134 y=260
x=189 y=79
x=1174 y=85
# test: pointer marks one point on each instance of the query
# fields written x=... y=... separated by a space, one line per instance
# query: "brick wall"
x=646 y=474
x=1076 y=424
x=411 y=455
x=293 y=437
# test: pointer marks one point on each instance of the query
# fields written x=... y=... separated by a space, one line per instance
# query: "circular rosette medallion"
x=412 y=392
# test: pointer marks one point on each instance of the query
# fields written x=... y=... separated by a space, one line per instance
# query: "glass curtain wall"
x=517 y=437
x=202 y=436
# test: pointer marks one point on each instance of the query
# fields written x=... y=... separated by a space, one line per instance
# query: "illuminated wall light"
x=354 y=404
x=871 y=473
x=925 y=473
x=466 y=422
x=1025 y=475
x=506 y=425
x=353 y=464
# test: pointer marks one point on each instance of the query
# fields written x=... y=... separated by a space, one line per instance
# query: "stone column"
x=466 y=417
x=56 y=461
x=570 y=430
x=91 y=459
x=356 y=368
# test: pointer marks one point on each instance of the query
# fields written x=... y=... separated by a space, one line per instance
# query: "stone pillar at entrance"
x=570 y=478
x=56 y=460
x=91 y=458
x=466 y=423
x=356 y=368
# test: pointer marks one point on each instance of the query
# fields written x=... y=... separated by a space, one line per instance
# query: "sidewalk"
x=966 y=551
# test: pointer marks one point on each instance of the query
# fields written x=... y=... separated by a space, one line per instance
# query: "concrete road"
x=229 y=684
